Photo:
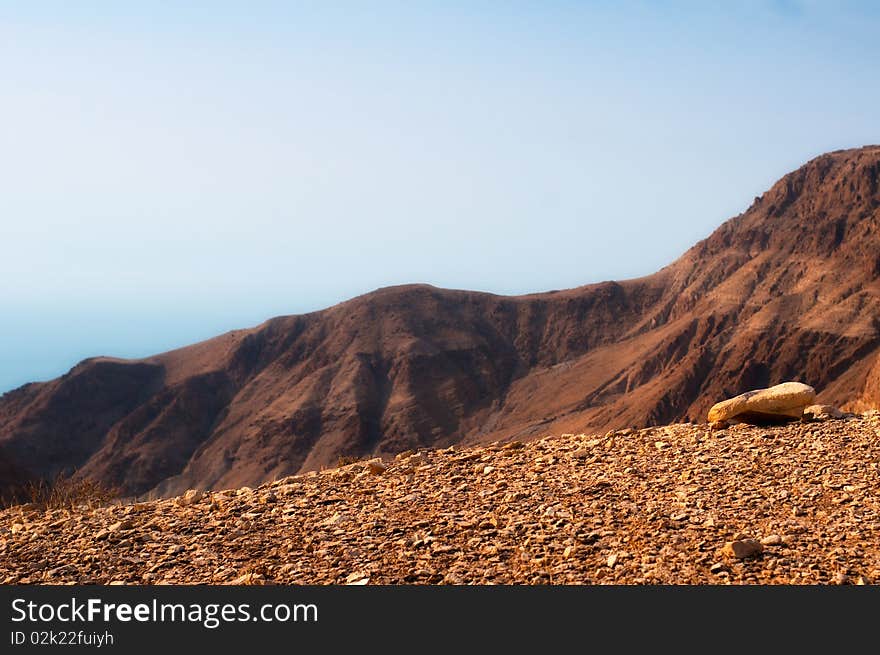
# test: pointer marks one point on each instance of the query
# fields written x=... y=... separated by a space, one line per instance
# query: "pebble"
x=248 y=579
x=558 y=511
x=375 y=467
x=743 y=548
x=190 y=497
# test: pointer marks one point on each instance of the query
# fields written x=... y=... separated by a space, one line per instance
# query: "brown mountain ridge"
x=790 y=289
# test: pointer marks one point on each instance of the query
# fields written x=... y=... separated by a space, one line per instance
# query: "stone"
x=664 y=522
x=119 y=526
x=248 y=579
x=356 y=577
x=743 y=548
x=190 y=497
x=375 y=466
x=771 y=540
x=335 y=520
x=822 y=413
x=778 y=404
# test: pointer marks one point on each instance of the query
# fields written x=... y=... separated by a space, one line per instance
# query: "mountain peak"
x=835 y=180
x=828 y=208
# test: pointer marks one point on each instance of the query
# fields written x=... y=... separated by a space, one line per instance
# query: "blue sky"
x=170 y=173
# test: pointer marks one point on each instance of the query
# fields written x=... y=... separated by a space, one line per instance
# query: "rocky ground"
x=681 y=504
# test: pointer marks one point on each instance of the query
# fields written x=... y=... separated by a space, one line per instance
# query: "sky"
x=171 y=172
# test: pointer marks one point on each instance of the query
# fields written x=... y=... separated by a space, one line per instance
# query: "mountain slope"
x=790 y=289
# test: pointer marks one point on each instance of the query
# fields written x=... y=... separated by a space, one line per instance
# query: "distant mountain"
x=788 y=290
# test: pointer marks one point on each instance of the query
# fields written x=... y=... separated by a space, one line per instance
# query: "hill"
x=790 y=289
x=676 y=504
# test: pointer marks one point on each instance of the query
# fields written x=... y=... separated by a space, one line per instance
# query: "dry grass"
x=66 y=492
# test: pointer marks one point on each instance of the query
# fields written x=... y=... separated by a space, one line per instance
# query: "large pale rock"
x=783 y=402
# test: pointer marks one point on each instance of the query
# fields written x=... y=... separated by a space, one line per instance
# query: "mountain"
x=788 y=290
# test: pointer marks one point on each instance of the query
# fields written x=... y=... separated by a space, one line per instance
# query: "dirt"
x=678 y=504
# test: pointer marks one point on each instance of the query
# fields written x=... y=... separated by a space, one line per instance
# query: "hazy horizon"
x=172 y=173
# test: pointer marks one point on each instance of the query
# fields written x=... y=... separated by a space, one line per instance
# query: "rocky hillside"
x=680 y=504
x=788 y=290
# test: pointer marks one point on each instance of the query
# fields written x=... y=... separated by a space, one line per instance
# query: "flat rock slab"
x=778 y=404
